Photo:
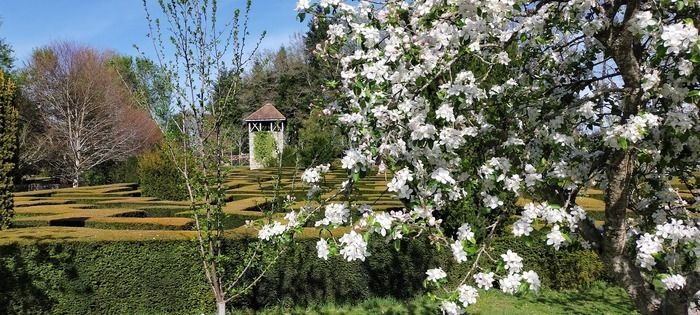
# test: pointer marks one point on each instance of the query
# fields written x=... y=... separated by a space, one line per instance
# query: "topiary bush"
x=159 y=177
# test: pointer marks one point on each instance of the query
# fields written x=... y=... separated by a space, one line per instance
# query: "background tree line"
x=85 y=116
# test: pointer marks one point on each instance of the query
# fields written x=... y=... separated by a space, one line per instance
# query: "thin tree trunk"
x=76 y=180
x=221 y=307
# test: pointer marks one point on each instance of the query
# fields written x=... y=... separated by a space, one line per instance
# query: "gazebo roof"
x=267 y=112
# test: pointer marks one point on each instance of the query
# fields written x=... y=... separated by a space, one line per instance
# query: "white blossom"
x=322 y=249
x=510 y=283
x=513 y=262
x=458 y=252
x=674 y=282
x=532 y=279
x=354 y=247
x=451 y=308
x=336 y=213
x=678 y=37
x=303 y=5
x=435 y=274
x=464 y=232
x=555 y=237
x=269 y=231
x=484 y=280
x=442 y=175
x=467 y=294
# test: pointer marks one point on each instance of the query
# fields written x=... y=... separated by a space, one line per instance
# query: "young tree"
x=197 y=55
x=89 y=115
x=541 y=99
x=8 y=148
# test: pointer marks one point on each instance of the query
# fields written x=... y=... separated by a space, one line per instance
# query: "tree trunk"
x=626 y=274
x=76 y=180
x=221 y=307
x=675 y=303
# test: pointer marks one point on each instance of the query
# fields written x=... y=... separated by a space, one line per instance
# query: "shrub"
x=577 y=269
x=265 y=148
x=320 y=140
x=112 y=172
x=158 y=177
x=146 y=277
x=566 y=268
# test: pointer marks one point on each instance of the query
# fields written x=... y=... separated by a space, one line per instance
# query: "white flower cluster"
x=435 y=274
x=678 y=37
x=631 y=132
x=554 y=216
x=355 y=247
x=511 y=282
x=335 y=214
x=315 y=174
x=671 y=238
x=269 y=231
x=400 y=183
x=674 y=282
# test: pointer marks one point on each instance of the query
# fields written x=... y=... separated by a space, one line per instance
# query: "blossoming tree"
x=500 y=99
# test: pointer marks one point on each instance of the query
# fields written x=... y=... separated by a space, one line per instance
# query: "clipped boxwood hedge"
x=158 y=277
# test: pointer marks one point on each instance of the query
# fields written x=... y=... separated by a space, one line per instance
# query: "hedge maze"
x=88 y=211
x=79 y=211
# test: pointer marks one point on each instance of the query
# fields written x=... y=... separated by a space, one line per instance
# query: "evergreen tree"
x=8 y=148
x=6 y=60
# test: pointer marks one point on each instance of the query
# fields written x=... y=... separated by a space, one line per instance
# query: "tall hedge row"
x=158 y=277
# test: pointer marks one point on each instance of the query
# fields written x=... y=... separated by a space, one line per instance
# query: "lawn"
x=599 y=299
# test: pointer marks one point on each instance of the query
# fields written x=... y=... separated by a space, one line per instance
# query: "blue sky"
x=119 y=24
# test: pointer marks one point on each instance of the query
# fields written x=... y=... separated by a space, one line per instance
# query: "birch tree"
x=89 y=116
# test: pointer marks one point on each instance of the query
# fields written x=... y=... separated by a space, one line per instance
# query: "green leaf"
x=500 y=267
x=623 y=143
x=471 y=250
x=523 y=288
x=301 y=16
x=397 y=244
x=566 y=237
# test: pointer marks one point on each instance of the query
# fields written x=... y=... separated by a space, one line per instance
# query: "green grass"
x=599 y=299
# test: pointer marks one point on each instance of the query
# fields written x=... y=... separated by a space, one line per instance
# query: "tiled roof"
x=266 y=112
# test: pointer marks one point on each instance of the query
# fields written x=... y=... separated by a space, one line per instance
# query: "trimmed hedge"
x=157 y=277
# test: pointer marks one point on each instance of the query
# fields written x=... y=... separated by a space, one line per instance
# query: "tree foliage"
x=544 y=100
x=6 y=59
x=8 y=148
x=150 y=86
